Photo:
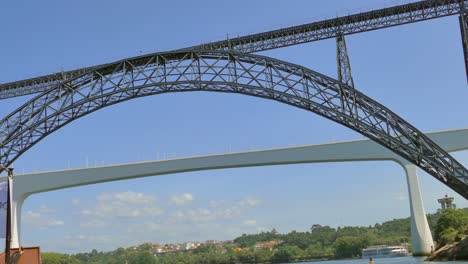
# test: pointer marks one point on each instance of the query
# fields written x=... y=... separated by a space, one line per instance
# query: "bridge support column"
x=17 y=205
x=421 y=237
x=343 y=64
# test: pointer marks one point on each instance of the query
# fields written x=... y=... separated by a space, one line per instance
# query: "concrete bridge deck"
x=355 y=150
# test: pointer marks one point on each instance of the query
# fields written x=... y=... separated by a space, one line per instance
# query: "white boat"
x=383 y=251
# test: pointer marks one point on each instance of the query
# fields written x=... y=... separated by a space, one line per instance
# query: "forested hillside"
x=319 y=242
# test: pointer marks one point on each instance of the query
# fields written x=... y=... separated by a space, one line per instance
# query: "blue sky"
x=416 y=70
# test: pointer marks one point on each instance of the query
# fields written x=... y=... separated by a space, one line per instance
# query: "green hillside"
x=319 y=242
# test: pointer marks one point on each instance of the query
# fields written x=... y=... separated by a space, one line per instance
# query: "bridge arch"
x=228 y=72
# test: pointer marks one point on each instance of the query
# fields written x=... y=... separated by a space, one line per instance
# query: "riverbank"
x=454 y=251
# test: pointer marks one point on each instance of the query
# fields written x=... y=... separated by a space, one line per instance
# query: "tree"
x=348 y=246
x=56 y=258
x=452 y=224
x=318 y=251
x=274 y=232
x=262 y=255
x=323 y=234
x=299 y=239
x=448 y=236
x=286 y=254
x=144 y=258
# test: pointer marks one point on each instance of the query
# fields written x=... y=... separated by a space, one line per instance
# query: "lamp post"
x=8 y=215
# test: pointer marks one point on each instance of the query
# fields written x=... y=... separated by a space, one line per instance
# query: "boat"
x=383 y=251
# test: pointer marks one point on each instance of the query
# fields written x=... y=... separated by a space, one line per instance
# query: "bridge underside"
x=355 y=150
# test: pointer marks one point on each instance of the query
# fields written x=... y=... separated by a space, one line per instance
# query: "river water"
x=402 y=260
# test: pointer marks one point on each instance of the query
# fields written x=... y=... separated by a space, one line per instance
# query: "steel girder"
x=230 y=73
x=357 y=23
x=38 y=84
x=346 y=25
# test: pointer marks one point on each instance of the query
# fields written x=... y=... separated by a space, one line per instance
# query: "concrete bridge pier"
x=17 y=205
x=421 y=236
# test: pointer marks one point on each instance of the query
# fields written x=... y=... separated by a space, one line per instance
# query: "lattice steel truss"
x=362 y=22
x=38 y=84
x=344 y=72
x=230 y=73
x=342 y=60
x=357 y=23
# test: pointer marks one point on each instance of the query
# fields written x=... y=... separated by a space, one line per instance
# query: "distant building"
x=446 y=203
x=238 y=249
x=171 y=248
x=188 y=246
x=268 y=245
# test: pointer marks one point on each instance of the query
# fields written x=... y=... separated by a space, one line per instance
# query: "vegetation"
x=320 y=242
x=56 y=258
x=451 y=234
x=451 y=226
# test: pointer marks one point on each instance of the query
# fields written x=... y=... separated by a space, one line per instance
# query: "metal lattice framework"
x=344 y=68
x=230 y=73
x=342 y=61
x=352 y=24
x=346 y=25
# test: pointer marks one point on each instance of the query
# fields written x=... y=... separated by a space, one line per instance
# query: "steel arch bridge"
x=223 y=71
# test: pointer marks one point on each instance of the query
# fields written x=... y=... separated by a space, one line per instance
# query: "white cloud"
x=400 y=197
x=44 y=209
x=261 y=229
x=182 y=199
x=126 y=197
x=120 y=219
x=94 y=223
x=250 y=201
x=216 y=211
x=78 y=240
x=216 y=203
x=205 y=215
x=31 y=216
x=153 y=226
x=123 y=204
x=53 y=222
x=250 y=222
x=40 y=219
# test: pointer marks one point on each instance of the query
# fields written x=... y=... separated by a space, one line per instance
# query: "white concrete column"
x=17 y=204
x=421 y=237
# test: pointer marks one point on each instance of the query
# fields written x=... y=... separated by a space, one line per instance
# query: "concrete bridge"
x=356 y=150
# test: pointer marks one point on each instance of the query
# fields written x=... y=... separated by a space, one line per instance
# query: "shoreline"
x=452 y=252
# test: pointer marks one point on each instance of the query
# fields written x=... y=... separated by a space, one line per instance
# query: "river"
x=402 y=260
